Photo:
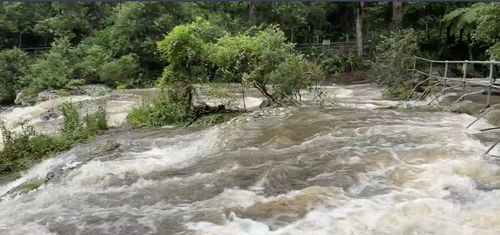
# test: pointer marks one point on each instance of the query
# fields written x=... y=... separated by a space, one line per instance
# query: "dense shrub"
x=394 y=59
x=199 y=53
x=261 y=59
x=65 y=66
x=123 y=72
x=53 y=71
x=13 y=65
x=89 y=59
x=157 y=111
x=335 y=63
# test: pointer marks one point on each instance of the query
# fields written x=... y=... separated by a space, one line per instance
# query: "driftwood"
x=204 y=110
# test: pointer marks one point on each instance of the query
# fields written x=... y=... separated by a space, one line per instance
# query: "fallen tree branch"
x=205 y=110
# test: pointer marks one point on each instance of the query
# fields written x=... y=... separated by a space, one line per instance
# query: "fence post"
x=414 y=67
x=243 y=94
x=463 y=79
x=430 y=75
x=489 y=84
x=445 y=74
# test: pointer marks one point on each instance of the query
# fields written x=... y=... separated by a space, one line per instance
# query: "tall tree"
x=359 y=28
x=397 y=16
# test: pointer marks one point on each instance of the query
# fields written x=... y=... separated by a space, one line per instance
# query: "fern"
x=462 y=18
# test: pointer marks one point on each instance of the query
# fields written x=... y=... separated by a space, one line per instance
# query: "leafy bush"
x=262 y=59
x=53 y=71
x=124 y=71
x=27 y=147
x=293 y=74
x=199 y=53
x=89 y=58
x=335 y=63
x=185 y=50
x=63 y=64
x=394 y=59
x=13 y=65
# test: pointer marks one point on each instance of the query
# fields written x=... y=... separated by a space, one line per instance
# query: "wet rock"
x=111 y=146
x=21 y=99
x=6 y=108
x=58 y=172
x=488 y=187
x=257 y=115
x=51 y=114
x=266 y=113
x=265 y=104
x=460 y=195
x=92 y=90
x=46 y=95
x=127 y=127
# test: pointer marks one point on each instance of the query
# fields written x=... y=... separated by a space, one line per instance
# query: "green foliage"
x=463 y=110
x=264 y=58
x=87 y=36
x=124 y=71
x=89 y=59
x=292 y=75
x=488 y=28
x=185 y=51
x=394 y=59
x=158 y=111
x=199 y=52
x=26 y=147
x=53 y=71
x=30 y=186
x=335 y=63
x=13 y=65
x=463 y=18
x=64 y=63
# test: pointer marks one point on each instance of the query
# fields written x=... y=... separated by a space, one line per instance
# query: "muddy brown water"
x=348 y=168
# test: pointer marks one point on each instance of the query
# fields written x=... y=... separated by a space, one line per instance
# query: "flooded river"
x=351 y=169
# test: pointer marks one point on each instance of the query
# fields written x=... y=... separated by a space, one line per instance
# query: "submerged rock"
x=265 y=104
x=46 y=95
x=51 y=114
x=92 y=90
x=24 y=188
x=21 y=99
x=266 y=113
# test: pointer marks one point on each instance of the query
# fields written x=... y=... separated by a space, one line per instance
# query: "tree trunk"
x=359 y=28
x=251 y=13
x=397 y=16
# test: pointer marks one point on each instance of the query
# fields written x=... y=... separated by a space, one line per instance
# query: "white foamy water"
x=348 y=169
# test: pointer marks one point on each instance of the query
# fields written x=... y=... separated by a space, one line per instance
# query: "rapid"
x=351 y=168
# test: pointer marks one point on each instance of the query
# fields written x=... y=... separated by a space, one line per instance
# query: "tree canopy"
x=48 y=45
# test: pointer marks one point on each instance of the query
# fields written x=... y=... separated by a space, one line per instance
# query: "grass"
x=461 y=110
x=157 y=111
x=27 y=147
x=30 y=186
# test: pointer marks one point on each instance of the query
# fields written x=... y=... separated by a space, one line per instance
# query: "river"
x=350 y=168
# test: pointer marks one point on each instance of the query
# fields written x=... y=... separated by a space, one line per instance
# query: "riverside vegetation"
x=175 y=46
